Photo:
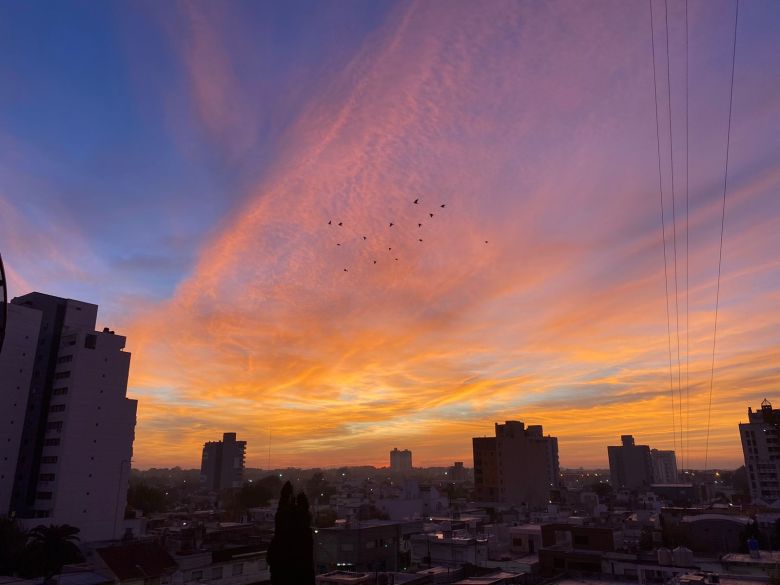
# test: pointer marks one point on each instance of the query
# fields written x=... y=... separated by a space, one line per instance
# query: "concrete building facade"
x=16 y=369
x=222 y=463
x=75 y=444
x=630 y=465
x=761 y=449
x=400 y=461
x=518 y=466
x=664 y=466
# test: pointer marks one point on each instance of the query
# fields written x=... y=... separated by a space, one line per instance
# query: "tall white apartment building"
x=761 y=448
x=75 y=444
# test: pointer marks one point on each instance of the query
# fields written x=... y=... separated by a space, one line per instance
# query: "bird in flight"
x=396 y=259
x=330 y=222
x=345 y=270
x=391 y=224
x=416 y=201
x=430 y=214
x=419 y=225
x=364 y=237
x=486 y=241
x=442 y=205
x=340 y=223
x=374 y=261
x=419 y=239
x=338 y=243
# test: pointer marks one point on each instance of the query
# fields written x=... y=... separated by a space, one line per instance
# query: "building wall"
x=664 y=466
x=222 y=463
x=519 y=466
x=16 y=366
x=630 y=465
x=400 y=461
x=96 y=440
x=485 y=469
x=761 y=449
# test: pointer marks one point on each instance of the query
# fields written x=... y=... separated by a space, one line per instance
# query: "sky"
x=178 y=163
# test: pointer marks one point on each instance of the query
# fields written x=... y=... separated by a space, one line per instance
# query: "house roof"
x=141 y=560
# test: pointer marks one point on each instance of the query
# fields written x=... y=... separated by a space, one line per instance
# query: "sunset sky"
x=178 y=163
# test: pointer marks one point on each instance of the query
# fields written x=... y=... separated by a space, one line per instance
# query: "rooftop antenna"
x=4 y=306
x=269 y=449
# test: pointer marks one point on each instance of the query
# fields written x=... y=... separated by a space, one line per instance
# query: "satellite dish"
x=4 y=305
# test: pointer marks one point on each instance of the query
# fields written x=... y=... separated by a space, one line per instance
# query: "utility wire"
x=722 y=225
x=674 y=223
x=663 y=223
x=687 y=259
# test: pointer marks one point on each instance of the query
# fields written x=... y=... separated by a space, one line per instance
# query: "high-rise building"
x=761 y=448
x=75 y=439
x=630 y=465
x=400 y=461
x=518 y=466
x=664 y=466
x=16 y=368
x=222 y=463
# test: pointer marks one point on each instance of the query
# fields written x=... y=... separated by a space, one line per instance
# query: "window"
x=51 y=442
x=64 y=359
x=216 y=573
x=90 y=342
x=57 y=408
x=49 y=459
x=43 y=495
x=61 y=375
x=238 y=569
x=46 y=477
x=54 y=425
x=60 y=391
x=197 y=575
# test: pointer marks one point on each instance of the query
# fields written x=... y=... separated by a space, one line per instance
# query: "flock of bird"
x=391 y=224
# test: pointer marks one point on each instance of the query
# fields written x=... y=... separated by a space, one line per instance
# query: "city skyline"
x=190 y=201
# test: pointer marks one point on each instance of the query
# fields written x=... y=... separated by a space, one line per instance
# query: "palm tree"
x=49 y=548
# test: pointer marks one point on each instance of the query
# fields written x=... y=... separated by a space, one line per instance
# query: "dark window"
x=51 y=442
x=60 y=391
x=57 y=408
x=90 y=342
x=46 y=477
x=49 y=459
x=61 y=375
x=64 y=359
x=54 y=426
x=43 y=495
x=581 y=539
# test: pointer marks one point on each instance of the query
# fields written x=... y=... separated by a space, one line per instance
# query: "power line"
x=663 y=223
x=687 y=260
x=722 y=225
x=674 y=223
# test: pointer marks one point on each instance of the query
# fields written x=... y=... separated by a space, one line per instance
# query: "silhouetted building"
x=457 y=472
x=16 y=369
x=761 y=448
x=400 y=461
x=75 y=439
x=664 y=466
x=518 y=466
x=630 y=465
x=222 y=464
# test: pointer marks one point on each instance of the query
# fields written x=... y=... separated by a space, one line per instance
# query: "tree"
x=145 y=497
x=291 y=552
x=318 y=488
x=48 y=549
x=12 y=540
